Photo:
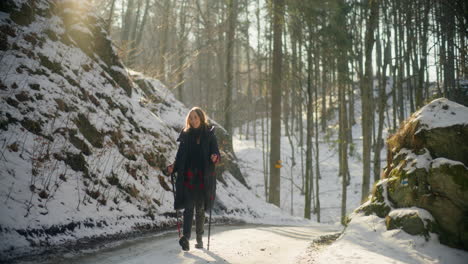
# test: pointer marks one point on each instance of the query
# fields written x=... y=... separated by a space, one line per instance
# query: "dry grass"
x=405 y=138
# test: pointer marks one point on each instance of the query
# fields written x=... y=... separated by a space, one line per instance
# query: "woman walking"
x=196 y=182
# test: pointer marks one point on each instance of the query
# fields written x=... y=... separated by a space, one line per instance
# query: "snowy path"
x=229 y=244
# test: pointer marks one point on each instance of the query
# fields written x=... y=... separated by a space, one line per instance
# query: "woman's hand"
x=214 y=158
x=170 y=169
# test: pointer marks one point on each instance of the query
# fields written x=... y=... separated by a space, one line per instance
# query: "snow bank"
x=366 y=240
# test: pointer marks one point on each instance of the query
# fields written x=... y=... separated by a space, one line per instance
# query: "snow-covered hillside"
x=82 y=143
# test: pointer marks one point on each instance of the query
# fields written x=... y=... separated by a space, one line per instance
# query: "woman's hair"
x=201 y=114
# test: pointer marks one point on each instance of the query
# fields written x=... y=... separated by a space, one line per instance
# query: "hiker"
x=195 y=167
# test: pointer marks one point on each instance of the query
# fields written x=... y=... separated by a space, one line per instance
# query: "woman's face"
x=194 y=120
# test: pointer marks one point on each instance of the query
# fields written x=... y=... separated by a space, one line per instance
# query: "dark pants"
x=199 y=219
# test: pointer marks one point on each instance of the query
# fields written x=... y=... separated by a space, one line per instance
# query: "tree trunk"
x=127 y=23
x=367 y=113
x=275 y=143
x=309 y=167
x=232 y=17
x=109 y=19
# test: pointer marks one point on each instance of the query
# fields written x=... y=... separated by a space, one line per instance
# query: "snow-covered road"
x=229 y=244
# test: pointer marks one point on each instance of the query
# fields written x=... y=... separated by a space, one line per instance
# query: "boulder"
x=427 y=169
x=413 y=221
x=441 y=127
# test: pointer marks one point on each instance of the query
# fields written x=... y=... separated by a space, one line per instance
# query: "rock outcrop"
x=425 y=185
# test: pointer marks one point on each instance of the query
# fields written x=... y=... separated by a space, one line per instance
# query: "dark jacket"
x=209 y=146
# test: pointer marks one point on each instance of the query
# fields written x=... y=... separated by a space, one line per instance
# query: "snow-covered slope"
x=82 y=144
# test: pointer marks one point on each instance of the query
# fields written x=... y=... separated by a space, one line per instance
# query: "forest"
x=297 y=63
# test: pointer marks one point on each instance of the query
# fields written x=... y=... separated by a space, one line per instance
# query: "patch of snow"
x=440 y=113
x=423 y=214
x=436 y=163
x=415 y=161
x=367 y=241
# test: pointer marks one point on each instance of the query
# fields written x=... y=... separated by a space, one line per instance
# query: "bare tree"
x=275 y=143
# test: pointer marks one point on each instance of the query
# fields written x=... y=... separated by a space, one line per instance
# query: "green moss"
x=377 y=193
x=451 y=180
x=379 y=209
x=400 y=191
x=410 y=223
x=459 y=175
x=89 y=132
x=448 y=142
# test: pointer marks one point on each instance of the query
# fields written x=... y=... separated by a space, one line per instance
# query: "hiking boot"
x=184 y=243
x=199 y=243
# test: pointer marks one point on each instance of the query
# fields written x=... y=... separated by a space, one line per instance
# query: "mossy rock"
x=448 y=142
x=410 y=223
x=452 y=181
x=450 y=217
x=379 y=209
x=89 y=132
x=400 y=193
x=378 y=193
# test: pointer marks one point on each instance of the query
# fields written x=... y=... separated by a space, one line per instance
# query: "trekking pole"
x=177 y=211
x=209 y=228
x=211 y=209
